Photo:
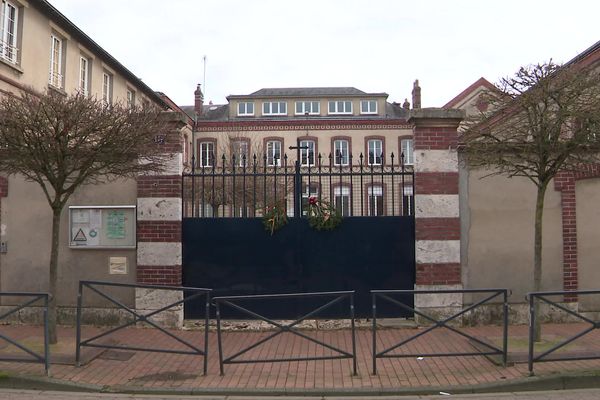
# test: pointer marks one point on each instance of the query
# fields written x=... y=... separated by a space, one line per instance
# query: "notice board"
x=95 y=227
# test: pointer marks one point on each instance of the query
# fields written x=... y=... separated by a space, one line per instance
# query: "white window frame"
x=107 y=83
x=269 y=108
x=207 y=154
x=341 y=156
x=130 y=98
x=375 y=153
x=308 y=191
x=239 y=149
x=308 y=156
x=375 y=194
x=339 y=107
x=407 y=148
x=84 y=75
x=56 y=62
x=273 y=151
x=9 y=30
x=368 y=106
x=309 y=107
x=242 y=109
x=341 y=194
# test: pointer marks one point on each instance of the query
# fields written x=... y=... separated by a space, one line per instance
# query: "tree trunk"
x=537 y=257
x=53 y=278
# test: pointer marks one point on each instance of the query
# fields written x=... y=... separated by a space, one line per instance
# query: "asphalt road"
x=581 y=394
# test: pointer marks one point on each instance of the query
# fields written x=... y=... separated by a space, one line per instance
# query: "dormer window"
x=368 y=106
x=308 y=108
x=275 y=108
x=340 y=107
x=245 y=109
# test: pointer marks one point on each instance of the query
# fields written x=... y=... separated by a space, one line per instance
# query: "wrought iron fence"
x=441 y=323
x=247 y=187
x=33 y=298
x=189 y=294
x=233 y=301
x=543 y=297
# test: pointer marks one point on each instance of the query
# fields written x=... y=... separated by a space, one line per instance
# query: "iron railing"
x=246 y=188
x=441 y=323
x=233 y=301
x=543 y=297
x=192 y=293
x=36 y=357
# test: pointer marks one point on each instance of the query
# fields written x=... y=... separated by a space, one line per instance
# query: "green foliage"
x=322 y=216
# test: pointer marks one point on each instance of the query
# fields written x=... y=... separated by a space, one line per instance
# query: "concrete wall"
x=497 y=217
x=27 y=218
x=588 y=238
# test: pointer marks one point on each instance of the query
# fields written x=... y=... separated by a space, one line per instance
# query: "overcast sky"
x=375 y=45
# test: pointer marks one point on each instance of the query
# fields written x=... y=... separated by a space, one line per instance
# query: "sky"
x=376 y=45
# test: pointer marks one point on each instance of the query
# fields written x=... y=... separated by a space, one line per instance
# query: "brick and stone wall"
x=159 y=229
x=437 y=218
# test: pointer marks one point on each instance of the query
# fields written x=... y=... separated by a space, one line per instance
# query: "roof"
x=85 y=40
x=588 y=56
x=481 y=82
x=307 y=92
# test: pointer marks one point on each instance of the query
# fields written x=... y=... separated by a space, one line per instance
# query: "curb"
x=587 y=380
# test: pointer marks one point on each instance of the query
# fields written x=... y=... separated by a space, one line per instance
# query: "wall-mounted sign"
x=94 y=227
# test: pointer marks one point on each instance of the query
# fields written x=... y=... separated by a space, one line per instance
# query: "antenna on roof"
x=204 y=78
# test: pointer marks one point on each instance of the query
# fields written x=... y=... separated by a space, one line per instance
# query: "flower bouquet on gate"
x=275 y=218
x=322 y=216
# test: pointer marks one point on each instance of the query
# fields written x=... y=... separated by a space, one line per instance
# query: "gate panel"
x=236 y=256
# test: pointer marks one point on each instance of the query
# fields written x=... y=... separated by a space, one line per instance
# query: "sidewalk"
x=143 y=371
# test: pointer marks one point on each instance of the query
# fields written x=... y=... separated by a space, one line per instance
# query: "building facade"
x=41 y=50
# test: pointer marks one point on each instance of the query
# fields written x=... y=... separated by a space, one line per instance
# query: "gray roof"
x=308 y=92
x=212 y=112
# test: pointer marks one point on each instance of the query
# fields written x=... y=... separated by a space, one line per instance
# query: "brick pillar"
x=159 y=229
x=3 y=194
x=437 y=218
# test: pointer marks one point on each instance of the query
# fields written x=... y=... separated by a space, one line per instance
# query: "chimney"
x=406 y=104
x=198 y=100
x=416 y=95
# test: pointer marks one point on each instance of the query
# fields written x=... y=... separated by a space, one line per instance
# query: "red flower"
x=312 y=201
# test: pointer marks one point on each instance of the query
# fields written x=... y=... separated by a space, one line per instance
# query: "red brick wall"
x=3 y=186
x=159 y=231
x=436 y=183
x=438 y=229
x=159 y=275
x=438 y=274
x=436 y=138
x=159 y=186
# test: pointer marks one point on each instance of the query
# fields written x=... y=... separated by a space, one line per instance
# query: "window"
x=308 y=191
x=207 y=154
x=368 y=106
x=341 y=149
x=406 y=148
x=408 y=201
x=375 y=151
x=130 y=98
x=56 y=64
x=341 y=199
x=84 y=76
x=239 y=152
x=307 y=156
x=274 y=153
x=340 y=107
x=308 y=107
x=275 y=108
x=245 y=109
x=8 y=31
x=375 y=200
x=107 y=89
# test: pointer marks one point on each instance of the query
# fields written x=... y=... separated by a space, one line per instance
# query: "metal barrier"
x=443 y=323
x=338 y=297
x=137 y=317
x=45 y=359
x=541 y=296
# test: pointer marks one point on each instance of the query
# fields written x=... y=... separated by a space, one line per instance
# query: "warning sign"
x=80 y=236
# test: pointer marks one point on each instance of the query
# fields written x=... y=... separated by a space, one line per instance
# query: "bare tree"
x=543 y=120
x=63 y=142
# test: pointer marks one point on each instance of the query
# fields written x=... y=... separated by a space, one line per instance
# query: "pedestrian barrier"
x=543 y=297
x=492 y=294
x=33 y=298
x=233 y=301
x=189 y=294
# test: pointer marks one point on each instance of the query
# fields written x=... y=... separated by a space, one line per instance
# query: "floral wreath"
x=275 y=218
x=322 y=216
